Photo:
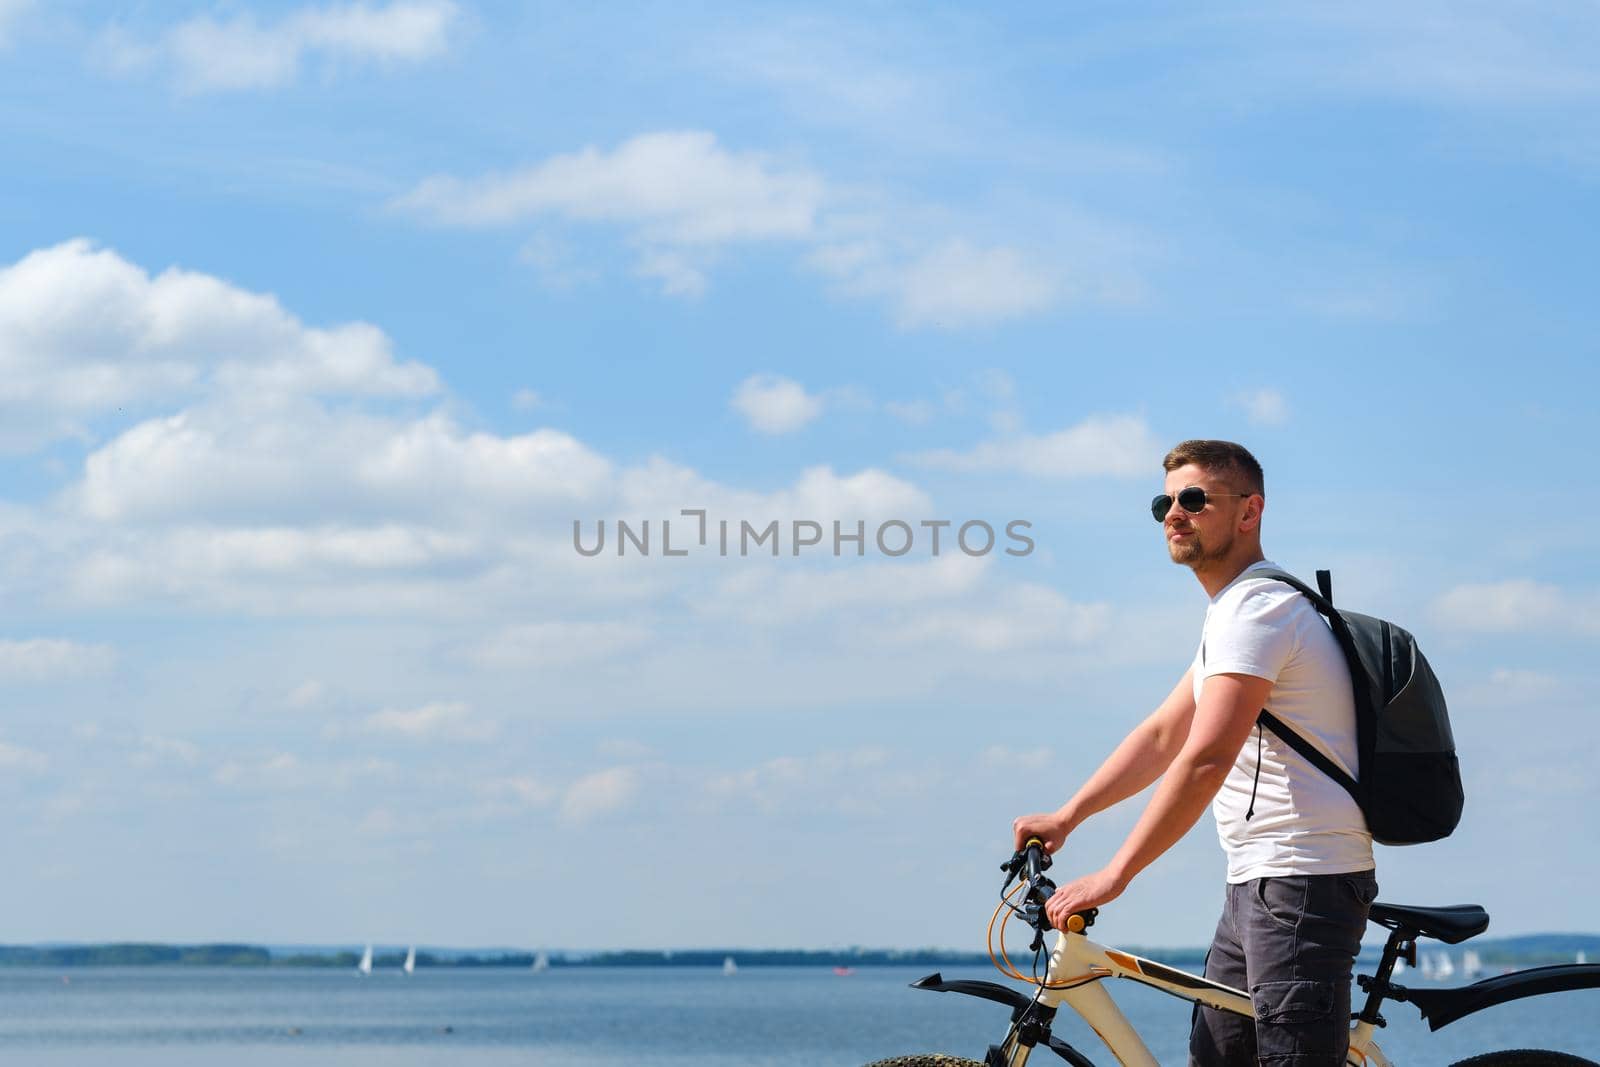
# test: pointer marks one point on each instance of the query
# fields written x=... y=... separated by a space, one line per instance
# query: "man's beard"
x=1192 y=551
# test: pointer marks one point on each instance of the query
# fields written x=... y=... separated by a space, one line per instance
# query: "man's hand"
x=1090 y=891
x=1050 y=828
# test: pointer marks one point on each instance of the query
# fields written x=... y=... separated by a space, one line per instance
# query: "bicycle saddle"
x=1451 y=924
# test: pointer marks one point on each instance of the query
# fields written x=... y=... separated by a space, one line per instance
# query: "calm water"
x=637 y=1017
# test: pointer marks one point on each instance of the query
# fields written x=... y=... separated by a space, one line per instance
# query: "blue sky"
x=321 y=323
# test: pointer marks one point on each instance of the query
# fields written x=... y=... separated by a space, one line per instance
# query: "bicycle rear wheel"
x=1525 y=1057
x=926 y=1059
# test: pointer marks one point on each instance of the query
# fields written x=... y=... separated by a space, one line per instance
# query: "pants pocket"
x=1297 y=1019
x=1363 y=888
x=1282 y=900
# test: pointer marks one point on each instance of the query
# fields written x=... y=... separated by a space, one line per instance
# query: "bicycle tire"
x=926 y=1059
x=1525 y=1057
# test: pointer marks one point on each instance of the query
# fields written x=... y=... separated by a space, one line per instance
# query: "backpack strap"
x=1322 y=599
x=1312 y=756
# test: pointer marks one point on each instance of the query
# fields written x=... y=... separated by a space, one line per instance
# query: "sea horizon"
x=1522 y=950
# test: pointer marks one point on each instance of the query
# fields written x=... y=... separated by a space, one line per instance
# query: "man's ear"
x=1253 y=507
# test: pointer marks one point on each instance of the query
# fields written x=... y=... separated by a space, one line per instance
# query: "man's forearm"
x=1176 y=806
x=1141 y=758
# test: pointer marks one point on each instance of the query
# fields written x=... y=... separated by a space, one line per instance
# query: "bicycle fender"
x=1441 y=1007
x=1067 y=1052
x=1018 y=1003
x=1011 y=998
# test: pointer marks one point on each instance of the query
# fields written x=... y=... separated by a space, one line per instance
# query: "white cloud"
x=953 y=284
x=450 y=721
x=83 y=332
x=674 y=269
x=1515 y=605
x=959 y=284
x=305 y=459
x=819 y=493
x=856 y=781
x=1015 y=617
x=1524 y=681
x=775 y=405
x=285 y=771
x=207 y=55
x=556 y=264
x=40 y=659
x=153 y=750
x=1099 y=446
x=1513 y=687
x=863 y=594
x=599 y=794
x=279 y=570
x=951 y=608
x=680 y=198
x=679 y=195
x=1263 y=407
x=307 y=694
x=522 y=790
x=678 y=187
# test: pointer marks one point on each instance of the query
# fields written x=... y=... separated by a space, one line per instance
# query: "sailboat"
x=541 y=962
x=1583 y=957
x=1443 y=968
x=1471 y=965
x=410 y=965
x=365 y=966
x=728 y=966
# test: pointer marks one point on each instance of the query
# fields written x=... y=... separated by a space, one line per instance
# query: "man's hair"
x=1219 y=457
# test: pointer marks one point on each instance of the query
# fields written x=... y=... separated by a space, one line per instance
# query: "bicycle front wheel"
x=926 y=1059
x=1525 y=1057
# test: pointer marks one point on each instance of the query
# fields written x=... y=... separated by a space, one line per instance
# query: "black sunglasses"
x=1193 y=500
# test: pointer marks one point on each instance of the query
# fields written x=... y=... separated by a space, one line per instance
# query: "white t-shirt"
x=1304 y=822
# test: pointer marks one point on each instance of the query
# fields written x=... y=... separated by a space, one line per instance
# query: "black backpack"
x=1410 y=784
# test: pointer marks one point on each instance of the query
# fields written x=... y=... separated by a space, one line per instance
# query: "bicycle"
x=1078 y=966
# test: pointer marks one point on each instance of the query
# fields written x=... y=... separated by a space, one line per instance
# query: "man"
x=1300 y=875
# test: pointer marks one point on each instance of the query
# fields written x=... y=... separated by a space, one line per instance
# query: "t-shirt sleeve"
x=1256 y=637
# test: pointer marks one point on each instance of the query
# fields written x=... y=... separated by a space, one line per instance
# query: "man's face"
x=1194 y=539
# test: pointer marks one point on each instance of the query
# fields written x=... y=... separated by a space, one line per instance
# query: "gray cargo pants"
x=1290 y=942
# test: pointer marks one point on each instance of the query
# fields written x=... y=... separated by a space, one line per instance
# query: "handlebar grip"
x=1036 y=856
x=1033 y=850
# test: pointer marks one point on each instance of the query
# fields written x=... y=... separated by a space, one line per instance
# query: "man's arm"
x=1139 y=760
x=1219 y=728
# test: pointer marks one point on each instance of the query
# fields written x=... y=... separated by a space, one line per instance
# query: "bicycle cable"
x=1010 y=970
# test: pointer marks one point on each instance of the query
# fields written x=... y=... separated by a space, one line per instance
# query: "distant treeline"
x=134 y=955
x=140 y=955
x=1499 y=952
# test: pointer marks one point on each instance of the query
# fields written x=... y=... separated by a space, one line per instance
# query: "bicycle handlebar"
x=1027 y=865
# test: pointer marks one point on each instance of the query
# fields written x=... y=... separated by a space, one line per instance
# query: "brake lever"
x=1014 y=866
x=1039 y=893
